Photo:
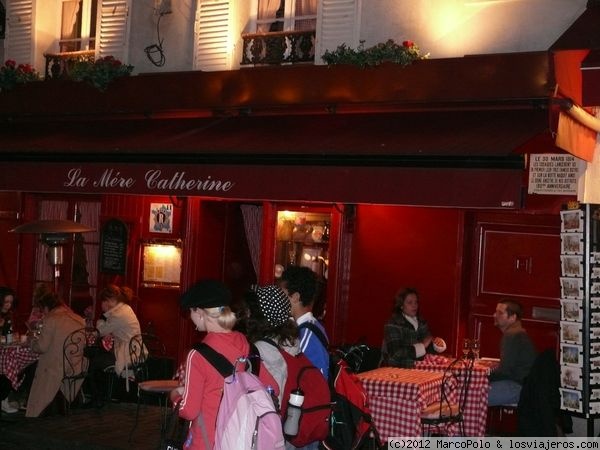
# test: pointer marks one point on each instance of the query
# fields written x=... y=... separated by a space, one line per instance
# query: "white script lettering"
x=155 y=181
x=110 y=178
x=74 y=179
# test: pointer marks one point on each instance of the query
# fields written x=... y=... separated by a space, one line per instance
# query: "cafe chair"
x=155 y=389
x=136 y=370
x=75 y=364
x=439 y=417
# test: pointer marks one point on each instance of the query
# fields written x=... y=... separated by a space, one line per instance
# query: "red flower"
x=408 y=44
x=10 y=63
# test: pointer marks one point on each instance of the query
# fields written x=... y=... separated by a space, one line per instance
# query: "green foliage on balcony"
x=101 y=72
x=388 y=51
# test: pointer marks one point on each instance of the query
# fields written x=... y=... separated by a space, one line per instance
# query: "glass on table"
x=466 y=348
x=475 y=347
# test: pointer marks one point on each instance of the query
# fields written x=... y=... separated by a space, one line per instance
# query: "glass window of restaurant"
x=302 y=239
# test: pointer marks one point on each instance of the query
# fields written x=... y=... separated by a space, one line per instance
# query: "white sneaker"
x=7 y=408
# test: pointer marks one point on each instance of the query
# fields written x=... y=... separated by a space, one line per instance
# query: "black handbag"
x=176 y=431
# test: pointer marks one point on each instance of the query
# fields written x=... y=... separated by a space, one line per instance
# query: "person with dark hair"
x=517 y=354
x=7 y=304
x=300 y=284
x=59 y=321
x=7 y=300
x=406 y=336
x=269 y=317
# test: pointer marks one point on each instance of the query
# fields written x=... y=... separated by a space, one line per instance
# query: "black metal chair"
x=156 y=388
x=141 y=347
x=75 y=364
x=449 y=410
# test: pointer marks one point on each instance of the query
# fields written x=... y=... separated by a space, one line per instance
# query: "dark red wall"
x=395 y=247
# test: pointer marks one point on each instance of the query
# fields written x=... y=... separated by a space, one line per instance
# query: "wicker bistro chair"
x=75 y=364
x=441 y=415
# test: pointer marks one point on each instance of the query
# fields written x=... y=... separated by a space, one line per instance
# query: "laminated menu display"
x=580 y=310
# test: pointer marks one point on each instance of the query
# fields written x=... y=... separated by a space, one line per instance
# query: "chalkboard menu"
x=113 y=247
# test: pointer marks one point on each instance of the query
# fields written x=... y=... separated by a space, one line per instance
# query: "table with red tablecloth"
x=397 y=397
x=13 y=359
x=475 y=413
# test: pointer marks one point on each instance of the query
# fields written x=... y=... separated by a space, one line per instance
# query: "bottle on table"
x=9 y=332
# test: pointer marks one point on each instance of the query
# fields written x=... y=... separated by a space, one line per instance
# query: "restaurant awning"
x=393 y=136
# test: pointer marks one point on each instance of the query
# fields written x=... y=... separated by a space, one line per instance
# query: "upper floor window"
x=78 y=26
x=286 y=15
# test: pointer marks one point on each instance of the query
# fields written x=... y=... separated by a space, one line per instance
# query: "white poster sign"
x=553 y=174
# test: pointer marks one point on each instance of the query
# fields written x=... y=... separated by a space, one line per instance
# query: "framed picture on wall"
x=571 y=310
x=161 y=264
x=571 y=355
x=571 y=377
x=571 y=287
x=161 y=218
x=570 y=400
x=570 y=332
x=571 y=220
x=572 y=265
x=571 y=243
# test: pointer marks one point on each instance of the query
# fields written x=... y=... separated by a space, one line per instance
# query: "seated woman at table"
x=59 y=322
x=406 y=336
x=7 y=298
x=117 y=325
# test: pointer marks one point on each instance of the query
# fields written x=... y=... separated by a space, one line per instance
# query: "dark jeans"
x=97 y=379
x=5 y=387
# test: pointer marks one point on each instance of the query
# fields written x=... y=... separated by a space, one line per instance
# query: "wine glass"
x=475 y=346
x=466 y=348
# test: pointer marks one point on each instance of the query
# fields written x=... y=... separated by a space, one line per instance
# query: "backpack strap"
x=317 y=332
x=218 y=361
x=222 y=364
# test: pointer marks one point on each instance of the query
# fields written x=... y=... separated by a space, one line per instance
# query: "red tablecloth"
x=13 y=359
x=397 y=397
x=475 y=414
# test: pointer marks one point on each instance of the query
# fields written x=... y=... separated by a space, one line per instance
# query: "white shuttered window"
x=113 y=29
x=212 y=40
x=19 y=40
x=338 y=24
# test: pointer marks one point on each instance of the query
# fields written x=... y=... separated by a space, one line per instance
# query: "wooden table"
x=475 y=414
x=13 y=359
x=397 y=397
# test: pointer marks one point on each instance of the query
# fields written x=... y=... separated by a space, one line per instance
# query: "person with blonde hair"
x=209 y=304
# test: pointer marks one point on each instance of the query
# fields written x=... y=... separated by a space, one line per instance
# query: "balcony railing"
x=278 y=48
x=58 y=65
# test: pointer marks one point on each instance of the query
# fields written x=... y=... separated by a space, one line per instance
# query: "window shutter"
x=113 y=29
x=212 y=48
x=337 y=23
x=18 y=43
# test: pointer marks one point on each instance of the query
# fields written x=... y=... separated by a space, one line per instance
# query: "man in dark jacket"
x=517 y=354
